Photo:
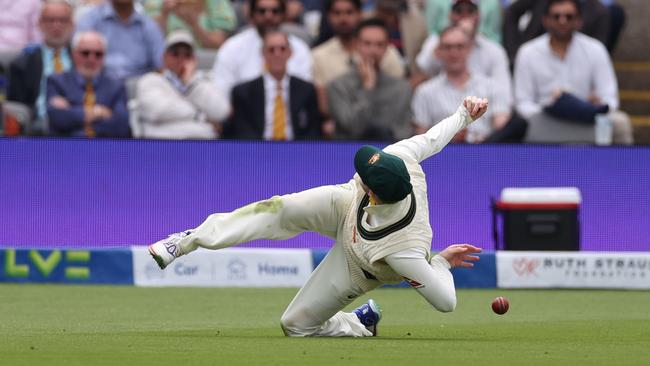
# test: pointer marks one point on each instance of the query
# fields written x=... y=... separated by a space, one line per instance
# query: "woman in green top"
x=209 y=21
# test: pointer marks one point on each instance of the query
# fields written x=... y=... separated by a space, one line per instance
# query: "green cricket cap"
x=385 y=174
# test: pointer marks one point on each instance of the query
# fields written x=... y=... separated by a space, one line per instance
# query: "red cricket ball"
x=500 y=305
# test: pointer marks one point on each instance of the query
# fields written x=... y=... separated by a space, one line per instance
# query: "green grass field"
x=106 y=325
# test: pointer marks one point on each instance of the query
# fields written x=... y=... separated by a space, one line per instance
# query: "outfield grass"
x=106 y=325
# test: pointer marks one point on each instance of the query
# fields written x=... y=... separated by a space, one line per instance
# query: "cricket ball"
x=500 y=305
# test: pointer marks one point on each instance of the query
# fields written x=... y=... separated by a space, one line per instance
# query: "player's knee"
x=446 y=304
x=290 y=326
x=297 y=324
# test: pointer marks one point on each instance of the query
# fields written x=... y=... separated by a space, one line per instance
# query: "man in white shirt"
x=486 y=58
x=566 y=65
x=239 y=59
x=380 y=220
x=180 y=102
x=438 y=97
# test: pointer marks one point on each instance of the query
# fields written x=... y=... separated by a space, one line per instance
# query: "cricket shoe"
x=165 y=251
x=369 y=314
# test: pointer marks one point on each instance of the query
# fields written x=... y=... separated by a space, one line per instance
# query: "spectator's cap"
x=179 y=37
x=383 y=173
x=456 y=2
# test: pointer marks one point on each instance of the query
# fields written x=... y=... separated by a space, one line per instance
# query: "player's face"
x=267 y=14
x=372 y=44
x=453 y=50
x=276 y=52
x=88 y=56
x=56 y=24
x=562 y=20
x=343 y=18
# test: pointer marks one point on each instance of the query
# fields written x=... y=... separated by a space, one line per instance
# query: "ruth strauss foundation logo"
x=592 y=267
x=525 y=266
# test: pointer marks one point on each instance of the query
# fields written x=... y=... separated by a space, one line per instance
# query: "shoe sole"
x=157 y=258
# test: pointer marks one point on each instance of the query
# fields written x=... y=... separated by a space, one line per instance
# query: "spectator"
x=594 y=22
x=366 y=103
x=563 y=78
x=209 y=21
x=439 y=97
x=486 y=58
x=276 y=105
x=240 y=60
x=334 y=57
x=85 y=101
x=406 y=26
x=437 y=16
x=293 y=22
x=180 y=102
x=19 y=24
x=28 y=73
x=135 y=42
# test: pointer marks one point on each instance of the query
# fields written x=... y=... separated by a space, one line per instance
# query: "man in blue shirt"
x=135 y=42
x=85 y=101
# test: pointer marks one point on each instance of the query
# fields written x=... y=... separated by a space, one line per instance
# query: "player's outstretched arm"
x=437 y=137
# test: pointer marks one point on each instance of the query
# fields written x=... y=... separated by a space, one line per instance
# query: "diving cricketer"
x=380 y=221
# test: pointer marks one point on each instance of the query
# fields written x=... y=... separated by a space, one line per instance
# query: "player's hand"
x=475 y=106
x=461 y=255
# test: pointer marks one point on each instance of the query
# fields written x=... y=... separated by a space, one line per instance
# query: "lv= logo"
x=46 y=264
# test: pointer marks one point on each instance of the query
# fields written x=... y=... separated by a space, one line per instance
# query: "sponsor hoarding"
x=67 y=266
x=607 y=270
x=240 y=267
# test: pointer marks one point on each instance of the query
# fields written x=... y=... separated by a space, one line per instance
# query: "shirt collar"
x=387 y=213
x=80 y=79
x=271 y=82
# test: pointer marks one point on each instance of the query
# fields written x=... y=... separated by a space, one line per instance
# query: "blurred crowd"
x=310 y=69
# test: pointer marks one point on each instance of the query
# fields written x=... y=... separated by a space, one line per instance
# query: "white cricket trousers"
x=316 y=309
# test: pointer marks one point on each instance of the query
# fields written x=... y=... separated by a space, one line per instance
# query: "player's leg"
x=432 y=280
x=316 y=309
x=280 y=217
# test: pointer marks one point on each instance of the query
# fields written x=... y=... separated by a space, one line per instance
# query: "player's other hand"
x=461 y=255
x=475 y=106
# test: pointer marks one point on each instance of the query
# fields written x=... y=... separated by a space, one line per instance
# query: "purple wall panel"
x=115 y=193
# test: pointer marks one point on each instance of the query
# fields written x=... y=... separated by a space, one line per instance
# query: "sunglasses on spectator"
x=87 y=53
x=274 y=49
x=568 y=16
x=274 y=10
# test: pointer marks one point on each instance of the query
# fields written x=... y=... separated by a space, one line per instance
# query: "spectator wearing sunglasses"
x=522 y=22
x=86 y=101
x=275 y=106
x=563 y=79
x=180 y=102
x=239 y=59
